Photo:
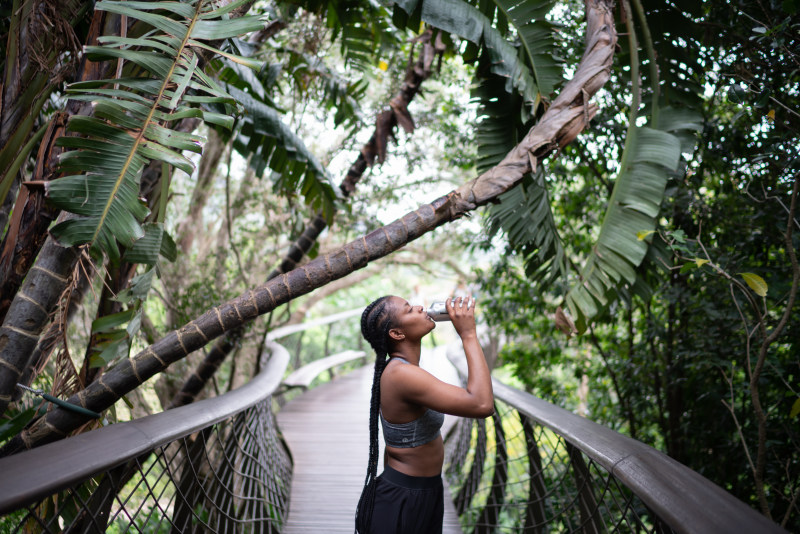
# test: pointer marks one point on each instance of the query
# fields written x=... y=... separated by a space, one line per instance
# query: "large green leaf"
x=648 y=159
x=676 y=36
x=614 y=268
x=530 y=66
x=155 y=242
x=524 y=214
x=498 y=129
x=518 y=51
x=268 y=142
x=362 y=28
x=134 y=116
x=537 y=39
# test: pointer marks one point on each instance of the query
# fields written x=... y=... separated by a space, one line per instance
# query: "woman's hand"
x=462 y=313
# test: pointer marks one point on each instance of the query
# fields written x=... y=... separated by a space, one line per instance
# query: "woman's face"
x=412 y=322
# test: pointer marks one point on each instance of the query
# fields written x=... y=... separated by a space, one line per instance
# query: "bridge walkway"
x=327 y=431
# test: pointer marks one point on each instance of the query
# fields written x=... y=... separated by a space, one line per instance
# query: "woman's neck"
x=407 y=350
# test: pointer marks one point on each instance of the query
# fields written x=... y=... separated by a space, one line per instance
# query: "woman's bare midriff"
x=423 y=461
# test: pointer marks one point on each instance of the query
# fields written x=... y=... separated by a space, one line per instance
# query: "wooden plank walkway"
x=327 y=430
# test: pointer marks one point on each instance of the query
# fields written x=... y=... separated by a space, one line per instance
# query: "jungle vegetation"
x=178 y=178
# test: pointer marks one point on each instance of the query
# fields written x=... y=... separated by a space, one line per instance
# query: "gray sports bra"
x=418 y=432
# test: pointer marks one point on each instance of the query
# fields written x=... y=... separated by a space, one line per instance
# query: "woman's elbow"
x=480 y=405
x=485 y=409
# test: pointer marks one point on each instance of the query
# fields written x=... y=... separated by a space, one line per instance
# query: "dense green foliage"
x=665 y=230
x=670 y=358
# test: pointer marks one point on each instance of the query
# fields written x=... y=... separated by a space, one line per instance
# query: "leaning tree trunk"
x=397 y=113
x=568 y=115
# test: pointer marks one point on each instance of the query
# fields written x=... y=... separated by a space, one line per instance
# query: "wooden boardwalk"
x=327 y=430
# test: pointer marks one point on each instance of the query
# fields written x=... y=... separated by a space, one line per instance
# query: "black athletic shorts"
x=407 y=505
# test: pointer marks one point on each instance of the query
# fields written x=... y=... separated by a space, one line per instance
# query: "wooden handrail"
x=306 y=374
x=29 y=476
x=284 y=331
x=685 y=500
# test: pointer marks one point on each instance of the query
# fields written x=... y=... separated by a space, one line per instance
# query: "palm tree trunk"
x=569 y=113
x=55 y=332
x=30 y=312
x=397 y=113
x=32 y=217
x=31 y=70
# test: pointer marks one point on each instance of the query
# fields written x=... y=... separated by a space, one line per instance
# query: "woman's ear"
x=396 y=334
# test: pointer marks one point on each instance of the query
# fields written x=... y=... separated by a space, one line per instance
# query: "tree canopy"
x=178 y=178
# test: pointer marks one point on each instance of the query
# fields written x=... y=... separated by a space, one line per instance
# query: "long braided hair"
x=376 y=321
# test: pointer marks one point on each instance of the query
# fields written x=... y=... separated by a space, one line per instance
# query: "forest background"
x=644 y=273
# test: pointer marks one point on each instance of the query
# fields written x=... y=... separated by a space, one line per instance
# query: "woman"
x=408 y=496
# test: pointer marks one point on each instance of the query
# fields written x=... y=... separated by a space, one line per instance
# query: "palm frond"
x=114 y=333
x=162 y=83
x=537 y=39
x=676 y=36
x=337 y=92
x=499 y=128
x=524 y=213
x=268 y=143
x=362 y=29
x=525 y=216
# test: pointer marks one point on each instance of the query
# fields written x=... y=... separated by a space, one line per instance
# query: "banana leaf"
x=648 y=159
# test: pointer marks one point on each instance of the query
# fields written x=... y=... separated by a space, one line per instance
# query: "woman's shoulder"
x=405 y=375
x=394 y=367
x=398 y=368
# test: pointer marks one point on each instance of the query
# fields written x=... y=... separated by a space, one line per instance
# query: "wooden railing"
x=216 y=465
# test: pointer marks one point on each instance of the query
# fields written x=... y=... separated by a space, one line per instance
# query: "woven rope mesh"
x=509 y=474
x=233 y=476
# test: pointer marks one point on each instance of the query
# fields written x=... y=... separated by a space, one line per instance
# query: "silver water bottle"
x=438 y=311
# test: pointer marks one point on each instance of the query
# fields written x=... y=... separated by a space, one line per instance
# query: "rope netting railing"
x=508 y=474
x=534 y=467
x=217 y=465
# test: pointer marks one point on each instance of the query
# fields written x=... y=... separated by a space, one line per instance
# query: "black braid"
x=376 y=322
